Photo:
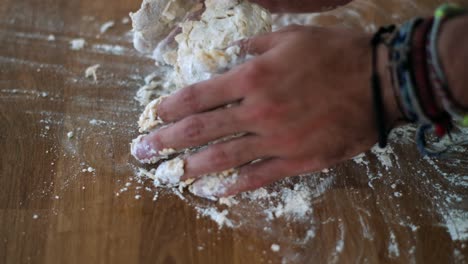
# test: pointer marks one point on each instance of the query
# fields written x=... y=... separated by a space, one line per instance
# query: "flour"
x=275 y=247
x=91 y=72
x=393 y=248
x=219 y=217
x=169 y=172
x=77 y=44
x=211 y=186
x=125 y=20
x=106 y=26
x=150 y=119
x=157 y=84
x=295 y=203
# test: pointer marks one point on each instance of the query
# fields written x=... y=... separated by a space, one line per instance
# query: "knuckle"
x=269 y=112
x=193 y=127
x=259 y=113
x=162 y=110
x=253 y=75
x=157 y=140
x=190 y=98
x=220 y=158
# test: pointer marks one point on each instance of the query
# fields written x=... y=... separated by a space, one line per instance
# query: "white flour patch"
x=91 y=72
x=456 y=221
x=384 y=156
x=393 y=248
x=220 y=217
x=106 y=26
x=112 y=49
x=339 y=246
x=77 y=44
x=275 y=247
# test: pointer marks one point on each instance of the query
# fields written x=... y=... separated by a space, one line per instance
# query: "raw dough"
x=204 y=45
x=155 y=19
x=150 y=118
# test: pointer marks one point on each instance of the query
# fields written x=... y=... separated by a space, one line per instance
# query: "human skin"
x=300 y=6
x=305 y=103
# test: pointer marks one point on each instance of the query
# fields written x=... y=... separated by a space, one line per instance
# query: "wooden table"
x=75 y=200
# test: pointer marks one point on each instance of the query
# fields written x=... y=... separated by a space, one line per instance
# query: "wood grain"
x=51 y=211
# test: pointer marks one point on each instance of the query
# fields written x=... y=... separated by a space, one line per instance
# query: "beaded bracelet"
x=418 y=79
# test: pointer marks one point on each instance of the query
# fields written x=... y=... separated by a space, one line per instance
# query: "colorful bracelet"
x=436 y=73
x=419 y=82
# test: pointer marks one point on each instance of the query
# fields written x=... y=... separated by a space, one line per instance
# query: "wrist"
x=451 y=43
x=395 y=117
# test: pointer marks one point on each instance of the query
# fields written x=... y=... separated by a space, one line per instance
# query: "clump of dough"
x=150 y=119
x=212 y=185
x=155 y=19
x=204 y=46
x=167 y=174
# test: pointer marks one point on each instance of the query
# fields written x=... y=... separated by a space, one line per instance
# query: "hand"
x=305 y=102
x=300 y=6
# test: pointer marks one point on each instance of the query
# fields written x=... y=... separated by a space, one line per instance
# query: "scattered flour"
x=295 y=203
x=275 y=247
x=393 y=248
x=384 y=155
x=91 y=72
x=456 y=221
x=219 y=217
x=106 y=26
x=77 y=44
x=125 y=20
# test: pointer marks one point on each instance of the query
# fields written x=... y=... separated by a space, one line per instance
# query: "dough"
x=204 y=45
x=149 y=119
x=155 y=19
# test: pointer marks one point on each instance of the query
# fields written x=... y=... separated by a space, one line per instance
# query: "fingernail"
x=144 y=150
x=213 y=187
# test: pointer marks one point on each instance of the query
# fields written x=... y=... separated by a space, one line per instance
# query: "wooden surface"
x=51 y=211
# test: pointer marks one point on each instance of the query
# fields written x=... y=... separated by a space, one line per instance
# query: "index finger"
x=200 y=97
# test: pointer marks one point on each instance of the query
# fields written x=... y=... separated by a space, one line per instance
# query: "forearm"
x=453 y=50
x=300 y=6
